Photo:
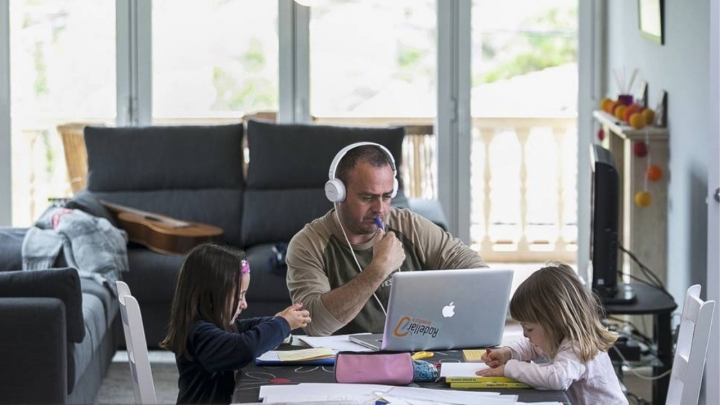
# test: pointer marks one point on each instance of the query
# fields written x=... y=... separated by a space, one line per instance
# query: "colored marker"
x=379 y=223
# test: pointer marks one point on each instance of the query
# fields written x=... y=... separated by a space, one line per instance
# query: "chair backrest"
x=138 y=359
x=692 y=343
x=75 y=153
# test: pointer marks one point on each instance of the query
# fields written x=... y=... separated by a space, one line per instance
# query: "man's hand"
x=296 y=317
x=492 y=372
x=388 y=252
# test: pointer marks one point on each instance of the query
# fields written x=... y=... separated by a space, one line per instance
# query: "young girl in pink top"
x=560 y=320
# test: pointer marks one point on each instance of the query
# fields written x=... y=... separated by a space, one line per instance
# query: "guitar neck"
x=149 y=215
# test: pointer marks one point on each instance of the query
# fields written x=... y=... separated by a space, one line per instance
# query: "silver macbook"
x=443 y=309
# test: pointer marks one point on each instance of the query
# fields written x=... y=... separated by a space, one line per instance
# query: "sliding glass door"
x=524 y=108
x=62 y=64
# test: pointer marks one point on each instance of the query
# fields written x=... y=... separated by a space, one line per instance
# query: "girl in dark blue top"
x=208 y=340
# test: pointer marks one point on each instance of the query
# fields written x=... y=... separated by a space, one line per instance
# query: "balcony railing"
x=523 y=179
x=523 y=194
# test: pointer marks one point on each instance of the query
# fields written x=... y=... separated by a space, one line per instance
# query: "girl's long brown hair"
x=555 y=298
x=208 y=279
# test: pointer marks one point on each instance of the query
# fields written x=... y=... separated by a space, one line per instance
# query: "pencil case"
x=374 y=368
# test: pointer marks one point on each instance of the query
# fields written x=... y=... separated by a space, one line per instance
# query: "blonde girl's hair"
x=555 y=298
x=209 y=277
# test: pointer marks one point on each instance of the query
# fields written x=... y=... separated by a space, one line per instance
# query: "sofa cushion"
x=11 y=240
x=152 y=276
x=63 y=284
x=288 y=170
x=219 y=207
x=81 y=354
x=299 y=156
x=159 y=158
x=267 y=276
x=109 y=301
x=276 y=215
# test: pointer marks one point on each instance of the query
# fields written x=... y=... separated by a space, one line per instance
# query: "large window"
x=62 y=63
x=524 y=108
x=373 y=58
x=213 y=59
x=371 y=63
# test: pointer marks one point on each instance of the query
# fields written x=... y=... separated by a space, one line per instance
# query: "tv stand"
x=653 y=302
x=624 y=295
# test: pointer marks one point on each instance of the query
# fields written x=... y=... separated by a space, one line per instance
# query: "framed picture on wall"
x=650 y=20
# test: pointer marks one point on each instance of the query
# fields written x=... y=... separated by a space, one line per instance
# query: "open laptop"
x=443 y=309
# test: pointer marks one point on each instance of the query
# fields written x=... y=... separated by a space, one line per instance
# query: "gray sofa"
x=58 y=335
x=196 y=174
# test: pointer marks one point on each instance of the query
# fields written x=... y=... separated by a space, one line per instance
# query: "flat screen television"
x=605 y=217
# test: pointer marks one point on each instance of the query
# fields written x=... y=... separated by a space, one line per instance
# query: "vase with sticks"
x=624 y=85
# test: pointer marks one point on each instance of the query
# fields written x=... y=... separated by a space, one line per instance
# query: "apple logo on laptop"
x=448 y=310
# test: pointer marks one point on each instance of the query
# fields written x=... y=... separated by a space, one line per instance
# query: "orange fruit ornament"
x=643 y=199
x=609 y=107
x=604 y=103
x=649 y=116
x=654 y=173
x=637 y=121
x=619 y=111
x=630 y=111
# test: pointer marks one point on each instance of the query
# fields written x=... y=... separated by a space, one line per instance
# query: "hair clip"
x=245 y=269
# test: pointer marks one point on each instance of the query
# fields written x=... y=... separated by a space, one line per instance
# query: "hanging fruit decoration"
x=643 y=199
x=654 y=173
x=640 y=149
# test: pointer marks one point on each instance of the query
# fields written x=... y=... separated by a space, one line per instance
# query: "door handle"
x=717 y=194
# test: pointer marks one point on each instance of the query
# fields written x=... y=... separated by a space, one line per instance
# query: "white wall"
x=681 y=67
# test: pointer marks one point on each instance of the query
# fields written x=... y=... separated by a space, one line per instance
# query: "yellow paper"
x=305 y=354
x=473 y=355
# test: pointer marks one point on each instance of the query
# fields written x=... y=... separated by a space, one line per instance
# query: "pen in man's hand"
x=379 y=224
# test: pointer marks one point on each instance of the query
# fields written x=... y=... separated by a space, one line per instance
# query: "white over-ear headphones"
x=335 y=189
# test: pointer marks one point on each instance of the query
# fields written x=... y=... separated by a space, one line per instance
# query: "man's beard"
x=352 y=226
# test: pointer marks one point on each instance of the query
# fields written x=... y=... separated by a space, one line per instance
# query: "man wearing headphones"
x=340 y=265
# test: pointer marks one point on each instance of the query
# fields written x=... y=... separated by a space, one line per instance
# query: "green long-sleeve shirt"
x=319 y=261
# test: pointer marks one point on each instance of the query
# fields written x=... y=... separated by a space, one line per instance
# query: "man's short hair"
x=367 y=154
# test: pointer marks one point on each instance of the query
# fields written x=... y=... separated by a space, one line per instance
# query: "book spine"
x=494 y=385
x=479 y=379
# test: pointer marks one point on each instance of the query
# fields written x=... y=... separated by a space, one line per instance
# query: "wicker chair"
x=75 y=153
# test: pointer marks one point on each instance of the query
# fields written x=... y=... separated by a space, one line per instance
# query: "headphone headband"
x=335 y=189
x=345 y=150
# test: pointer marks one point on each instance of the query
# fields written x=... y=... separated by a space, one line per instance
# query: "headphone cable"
x=352 y=251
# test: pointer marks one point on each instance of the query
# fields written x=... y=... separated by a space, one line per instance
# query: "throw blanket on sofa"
x=91 y=245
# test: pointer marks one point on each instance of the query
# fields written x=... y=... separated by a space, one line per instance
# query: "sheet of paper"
x=452 y=396
x=271 y=355
x=321 y=392
x=539 y=403
x=305 y=354
x=473 y=355
x=461 y=369
x=349 y=393
x=319 y=399
x=339 y=343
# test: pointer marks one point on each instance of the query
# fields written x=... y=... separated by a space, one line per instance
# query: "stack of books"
x=484 y=382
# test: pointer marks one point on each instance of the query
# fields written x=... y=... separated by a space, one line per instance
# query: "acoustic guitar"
x=161 y=233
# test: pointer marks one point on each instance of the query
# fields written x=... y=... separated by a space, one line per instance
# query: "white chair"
x=143 y=385
x=692 y=343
